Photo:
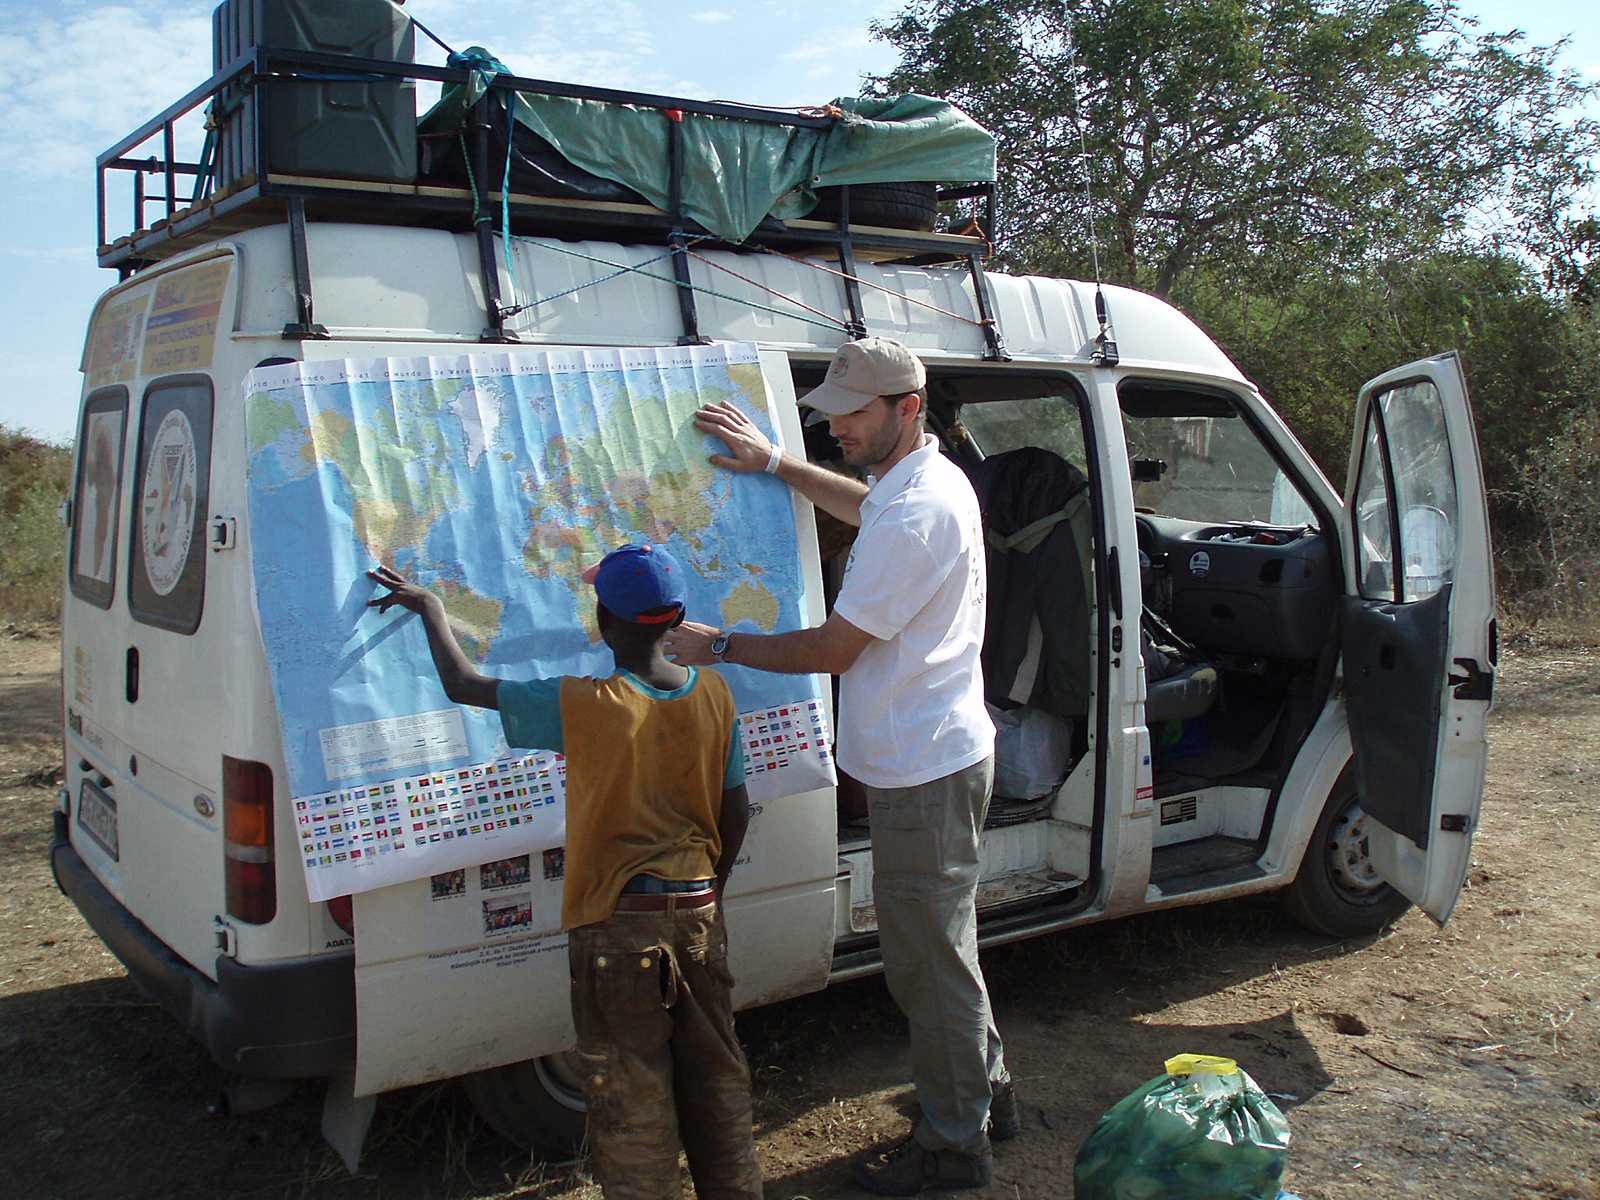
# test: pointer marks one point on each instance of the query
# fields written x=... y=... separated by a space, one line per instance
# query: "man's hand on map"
x=748 y=447
x=411 y=596
x=749 y=451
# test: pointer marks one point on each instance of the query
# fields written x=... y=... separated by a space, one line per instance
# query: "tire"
x=536 y=1105
x=1337 y=892
x=887 y=205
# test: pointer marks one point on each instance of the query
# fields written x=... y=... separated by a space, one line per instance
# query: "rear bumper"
x=291 y=1020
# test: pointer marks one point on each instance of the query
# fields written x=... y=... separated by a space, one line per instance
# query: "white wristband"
x=773 y=460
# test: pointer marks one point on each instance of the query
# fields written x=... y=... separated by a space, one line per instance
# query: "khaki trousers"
x=925 y=887
x=650 y=999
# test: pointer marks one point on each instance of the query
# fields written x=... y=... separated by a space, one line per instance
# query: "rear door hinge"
x=223 y=533
x=1455 y=823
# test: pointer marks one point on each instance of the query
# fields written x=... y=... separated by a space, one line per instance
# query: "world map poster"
x=494 y=480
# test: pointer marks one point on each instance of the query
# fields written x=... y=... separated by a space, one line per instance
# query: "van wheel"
x=536 y=1105
x=1337 y=891
x=887 y=205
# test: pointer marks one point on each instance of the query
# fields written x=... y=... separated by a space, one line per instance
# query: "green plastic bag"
x=1202 y=1131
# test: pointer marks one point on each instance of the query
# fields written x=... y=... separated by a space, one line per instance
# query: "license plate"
x=97 y=816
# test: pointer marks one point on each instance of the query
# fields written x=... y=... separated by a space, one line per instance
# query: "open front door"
x=1418 y=627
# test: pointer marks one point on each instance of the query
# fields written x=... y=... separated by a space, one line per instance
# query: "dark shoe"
x=911 y=1168
x=1005 y=1115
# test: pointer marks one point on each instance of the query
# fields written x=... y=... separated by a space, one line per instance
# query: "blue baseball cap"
x=632 y=580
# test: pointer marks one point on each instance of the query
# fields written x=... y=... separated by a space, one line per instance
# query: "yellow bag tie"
x=1201 y=1064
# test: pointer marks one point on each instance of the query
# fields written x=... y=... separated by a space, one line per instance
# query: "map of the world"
x=495 y=480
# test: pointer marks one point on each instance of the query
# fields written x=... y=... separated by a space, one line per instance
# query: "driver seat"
x=1178 y=687
x=1175 y=690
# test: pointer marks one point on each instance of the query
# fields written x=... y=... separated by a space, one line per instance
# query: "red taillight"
x=343 y=911
x=247 y=828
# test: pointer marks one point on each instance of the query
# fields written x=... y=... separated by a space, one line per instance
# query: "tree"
x=1574 y=260
x=1527 y=354
x=1274 y=137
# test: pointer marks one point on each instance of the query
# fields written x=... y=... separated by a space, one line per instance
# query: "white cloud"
x=838 y=47
x=835 y=63
x=711 y=18
x=72 y=82
x=76 y=254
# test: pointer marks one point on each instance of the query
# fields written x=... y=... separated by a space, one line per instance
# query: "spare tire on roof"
x=890 y=205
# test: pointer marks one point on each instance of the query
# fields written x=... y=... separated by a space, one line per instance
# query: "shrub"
x=34 y=479
x=1562 y=563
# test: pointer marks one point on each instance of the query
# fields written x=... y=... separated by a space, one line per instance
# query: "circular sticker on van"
x=166 y=510
x=1199 y=564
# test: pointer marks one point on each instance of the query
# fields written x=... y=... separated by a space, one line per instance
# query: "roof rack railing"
x=217 y=206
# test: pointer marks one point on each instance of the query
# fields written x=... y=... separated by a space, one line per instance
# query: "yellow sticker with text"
x=182 y=326
x=115 y=340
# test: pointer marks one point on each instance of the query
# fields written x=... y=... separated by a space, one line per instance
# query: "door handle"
x=1476 y=684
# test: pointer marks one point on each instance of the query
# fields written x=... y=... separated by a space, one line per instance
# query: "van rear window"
x=166 y=552
x=96 y=496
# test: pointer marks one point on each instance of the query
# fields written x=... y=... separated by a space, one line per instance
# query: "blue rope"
x=431 y=34
x=466 y=157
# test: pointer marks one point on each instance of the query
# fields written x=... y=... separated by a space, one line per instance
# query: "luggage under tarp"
x=735 y=172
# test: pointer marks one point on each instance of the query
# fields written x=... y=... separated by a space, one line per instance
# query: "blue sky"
x=75 y=75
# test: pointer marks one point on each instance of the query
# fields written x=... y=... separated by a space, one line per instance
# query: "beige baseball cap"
x=862 y=371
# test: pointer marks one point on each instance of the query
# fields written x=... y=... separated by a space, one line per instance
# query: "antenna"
x=1083 y=156
x=1105 y=352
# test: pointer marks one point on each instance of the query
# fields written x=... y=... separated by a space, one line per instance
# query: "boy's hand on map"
x=411 y=596
x=748 y=447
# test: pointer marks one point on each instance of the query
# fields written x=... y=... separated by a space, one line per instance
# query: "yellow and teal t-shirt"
x=645 y=774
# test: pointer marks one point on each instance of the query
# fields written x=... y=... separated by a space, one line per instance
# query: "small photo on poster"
x=503 y=873
x=555 y=863
x=505 y=914
x=449 y=884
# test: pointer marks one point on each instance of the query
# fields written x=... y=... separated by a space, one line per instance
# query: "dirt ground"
x=1455 y=1063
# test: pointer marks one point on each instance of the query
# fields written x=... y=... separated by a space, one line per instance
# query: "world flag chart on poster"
x=494 y=480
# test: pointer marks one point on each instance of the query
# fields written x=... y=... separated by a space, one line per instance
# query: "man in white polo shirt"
x=904 y=637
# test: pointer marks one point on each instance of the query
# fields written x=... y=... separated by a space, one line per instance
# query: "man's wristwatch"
x=719 y=646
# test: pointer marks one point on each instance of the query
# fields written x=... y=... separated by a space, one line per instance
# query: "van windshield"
x=1209 y=468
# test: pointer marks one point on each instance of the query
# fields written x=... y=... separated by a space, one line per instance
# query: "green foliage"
x=1574 y=260
x=1527 y=355
x=1561 y=564
x=1329 y=187
x=34 y=478
x=1270 y=135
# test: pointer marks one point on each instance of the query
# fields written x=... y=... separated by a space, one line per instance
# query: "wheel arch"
x=1323 y=760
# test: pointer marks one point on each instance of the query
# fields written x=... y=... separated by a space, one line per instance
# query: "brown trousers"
x=650 y=999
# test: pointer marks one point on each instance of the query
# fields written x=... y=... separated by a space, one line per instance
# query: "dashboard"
x=1241 y=587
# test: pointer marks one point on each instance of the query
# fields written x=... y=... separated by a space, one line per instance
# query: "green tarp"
x=737 y=172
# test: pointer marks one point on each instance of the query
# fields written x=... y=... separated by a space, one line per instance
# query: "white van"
x=1213 y=675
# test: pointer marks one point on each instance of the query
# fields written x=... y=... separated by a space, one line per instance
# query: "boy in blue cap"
x=656 y=813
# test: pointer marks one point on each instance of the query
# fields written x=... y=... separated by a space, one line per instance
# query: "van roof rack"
x=217 y=206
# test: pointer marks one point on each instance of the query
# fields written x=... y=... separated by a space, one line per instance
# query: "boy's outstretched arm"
x=731 y=824
x=462 y=683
